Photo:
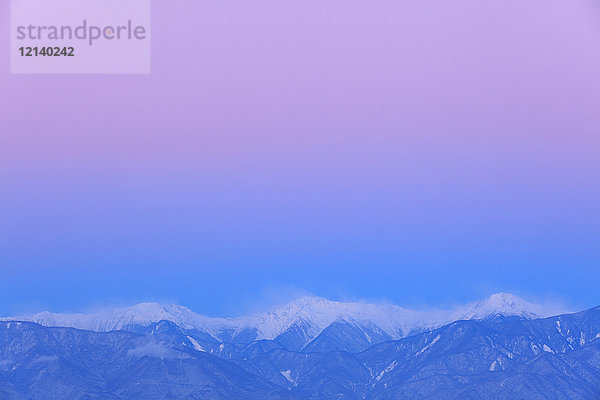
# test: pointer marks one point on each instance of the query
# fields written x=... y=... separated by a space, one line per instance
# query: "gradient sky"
x=423 y=152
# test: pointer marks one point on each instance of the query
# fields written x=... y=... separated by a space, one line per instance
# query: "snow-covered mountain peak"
x=314 y=312
x=304 y=306
x=307 y=316
x=505 y=304
x=318 y=313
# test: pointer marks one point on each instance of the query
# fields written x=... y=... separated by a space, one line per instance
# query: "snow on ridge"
x=313 y=313
x=142 y=314
x=320 y=313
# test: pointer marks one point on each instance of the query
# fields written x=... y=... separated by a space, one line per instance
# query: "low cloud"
x=45 y=359
x=154 y=349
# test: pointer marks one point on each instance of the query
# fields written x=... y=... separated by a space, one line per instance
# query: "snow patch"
x=288 y=375
x=533 y=347
x=547 y=349
x=195 y=343
x=558 y=328
x=497 y=363
x=387 y=369
x=434 y=341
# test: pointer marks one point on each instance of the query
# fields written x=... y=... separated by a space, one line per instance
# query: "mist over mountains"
x=502 y=347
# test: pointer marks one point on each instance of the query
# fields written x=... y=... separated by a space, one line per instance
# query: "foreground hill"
x=63 y=363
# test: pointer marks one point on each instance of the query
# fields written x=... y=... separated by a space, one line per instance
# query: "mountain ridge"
x=299 y=322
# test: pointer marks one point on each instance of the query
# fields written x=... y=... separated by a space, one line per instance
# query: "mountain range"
x=301 y=324
x=499 y=348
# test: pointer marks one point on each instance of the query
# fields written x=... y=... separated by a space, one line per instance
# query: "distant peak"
x=505 y=304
